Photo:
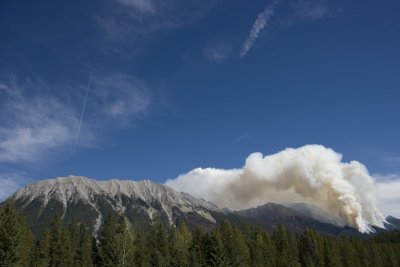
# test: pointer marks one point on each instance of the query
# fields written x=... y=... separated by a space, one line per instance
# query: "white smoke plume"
x=312 y=174
x=260 y=23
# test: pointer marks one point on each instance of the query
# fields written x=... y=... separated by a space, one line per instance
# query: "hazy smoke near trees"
x=312 y=174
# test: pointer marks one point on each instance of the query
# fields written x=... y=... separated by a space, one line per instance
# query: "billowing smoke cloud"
x=260 y=23
x=311 y=174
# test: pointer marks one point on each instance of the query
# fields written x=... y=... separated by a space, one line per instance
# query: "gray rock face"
x=90 y=201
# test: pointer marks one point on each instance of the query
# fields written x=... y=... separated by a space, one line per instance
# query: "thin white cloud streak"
x=310 y=9
x=300 y=10
x=33 y=124
x=132 y=20
x=244 y=136
x=143 y=6
x=260 y=23
x=10 y=183
x=122 y=98
x=391 y=159
x=219 y=52
x=312 y=174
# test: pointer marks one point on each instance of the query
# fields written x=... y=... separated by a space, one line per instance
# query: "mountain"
x=315 y=213
x=392 y=223
x=270 y=215
x=90 y=201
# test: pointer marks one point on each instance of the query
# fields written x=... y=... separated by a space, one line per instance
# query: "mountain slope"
x=90 y=201
x=315 y=213
x=270 y=215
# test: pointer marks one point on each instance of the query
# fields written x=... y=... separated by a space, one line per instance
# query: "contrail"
x=83 y=112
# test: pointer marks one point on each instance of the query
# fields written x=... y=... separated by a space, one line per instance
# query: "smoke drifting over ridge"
x=312 y=174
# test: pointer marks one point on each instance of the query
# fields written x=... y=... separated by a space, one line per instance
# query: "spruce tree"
x=332 y=253
x=96 y=258
x=73 y=244
x=311 y=249
x=180 y=240
x=125 y=242
x=286 y=246
x=348 y=252
x=198 y=248
x=84 y=255
x=157 y=245
x=241 y=256
x=26 y=241
x=44 y=249
x=58 y=243
x=214 y=249
x=109 y=253
x=226 y=231
x=9 y=236
x=262 y=250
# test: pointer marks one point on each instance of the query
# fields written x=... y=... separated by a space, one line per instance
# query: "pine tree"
x=348 y=252
x=214 y=249
x=26 y=241
x=125 y=237
x=84 y=255
x=198 y=248
x=9 y=236
x=262 y=250
x=236 y=252
x=140 y=253
x=242 y=253
x=74 y=246
x=44 y=249
x=311 y=249
x=157 y=245
x=180 y=240
x=109 y=253
x=331 y=253
x=117 y=243
x=58 y=243
x=286 y=246
x=96 y=258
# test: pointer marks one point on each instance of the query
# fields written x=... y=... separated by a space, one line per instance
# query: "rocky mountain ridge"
x=89 y=200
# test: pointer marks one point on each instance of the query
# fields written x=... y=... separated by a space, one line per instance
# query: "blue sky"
x=185 y=84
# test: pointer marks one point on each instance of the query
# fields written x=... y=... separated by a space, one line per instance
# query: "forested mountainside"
x=120 y=244
x=90 y=201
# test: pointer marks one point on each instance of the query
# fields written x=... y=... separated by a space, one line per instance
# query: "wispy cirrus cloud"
x=143 y=6
x=36 y=121
x=121 y=97
x=218 y=52
x=300 y=10
x=260 y=23
x=11 y=182
x=391 y=159
x=132 y=19
x=310 y=9
x=33 y=121
x=245 y=136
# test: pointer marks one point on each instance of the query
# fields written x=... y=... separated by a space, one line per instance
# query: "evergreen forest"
x=119 y=244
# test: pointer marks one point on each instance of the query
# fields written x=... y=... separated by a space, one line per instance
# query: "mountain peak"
x=79 y=196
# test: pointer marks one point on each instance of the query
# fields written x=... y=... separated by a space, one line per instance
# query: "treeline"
x=119 y=244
